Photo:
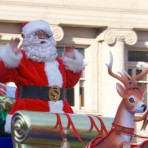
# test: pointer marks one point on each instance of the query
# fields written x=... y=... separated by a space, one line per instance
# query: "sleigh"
x=44 y=130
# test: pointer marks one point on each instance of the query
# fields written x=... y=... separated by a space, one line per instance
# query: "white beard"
x=39 y=50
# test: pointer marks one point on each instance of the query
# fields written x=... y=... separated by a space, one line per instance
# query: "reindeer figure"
x=122 y=129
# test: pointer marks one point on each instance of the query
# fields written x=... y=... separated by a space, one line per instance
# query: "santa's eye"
x=41 y=34
x=131 y=100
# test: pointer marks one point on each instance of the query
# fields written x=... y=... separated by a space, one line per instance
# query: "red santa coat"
x=25 y=72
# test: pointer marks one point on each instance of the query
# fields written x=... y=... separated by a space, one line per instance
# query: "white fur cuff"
x=56 y=107
x=9 y=58
x=142 y=65
x=8 y=124
x=74 y=65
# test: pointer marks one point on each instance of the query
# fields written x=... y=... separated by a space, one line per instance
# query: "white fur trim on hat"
x=74 y=65
x=8 y=124
x=36 y=25
x=9 y=58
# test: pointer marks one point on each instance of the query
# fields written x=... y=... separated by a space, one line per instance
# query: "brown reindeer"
x=122 y=129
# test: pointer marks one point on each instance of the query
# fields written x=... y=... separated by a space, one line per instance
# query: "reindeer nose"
x=144 y=107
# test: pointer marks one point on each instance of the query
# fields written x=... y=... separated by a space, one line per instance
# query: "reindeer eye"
x=131 y=100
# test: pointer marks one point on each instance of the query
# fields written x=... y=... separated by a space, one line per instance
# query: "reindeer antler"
x=140 y=75
x=133 y=79
x=133 y=82
x=123 y=77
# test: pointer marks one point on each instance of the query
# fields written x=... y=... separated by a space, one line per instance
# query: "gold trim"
x=54 y=93
x=123 y=129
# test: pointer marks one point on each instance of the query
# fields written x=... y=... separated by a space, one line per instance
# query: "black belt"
x=53 y=93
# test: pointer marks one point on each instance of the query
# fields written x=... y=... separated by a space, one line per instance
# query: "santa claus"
x=37 y=71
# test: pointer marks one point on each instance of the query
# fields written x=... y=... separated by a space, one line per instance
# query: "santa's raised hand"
x=14 y=44
x=69 y=52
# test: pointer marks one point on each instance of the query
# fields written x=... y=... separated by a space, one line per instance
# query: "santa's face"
x=42 y=35
x=40 y=47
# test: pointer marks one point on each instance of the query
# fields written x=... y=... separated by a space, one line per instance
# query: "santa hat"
x=33 y=26
x=2 y=89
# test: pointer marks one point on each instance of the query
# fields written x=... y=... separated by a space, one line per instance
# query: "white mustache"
x=39 y=49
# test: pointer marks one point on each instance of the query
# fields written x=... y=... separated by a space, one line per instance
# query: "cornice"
x=74 y=6
x=74 y=14
x=57 y=31
x=8 y=36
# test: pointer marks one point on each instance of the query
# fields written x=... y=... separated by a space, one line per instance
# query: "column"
x=112 y=40
x=58 y=32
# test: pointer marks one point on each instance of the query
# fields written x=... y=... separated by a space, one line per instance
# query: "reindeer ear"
x=120 y=90
x=142 y=90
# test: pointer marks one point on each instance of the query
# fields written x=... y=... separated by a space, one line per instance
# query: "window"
x=138 y=56
x=133 y=58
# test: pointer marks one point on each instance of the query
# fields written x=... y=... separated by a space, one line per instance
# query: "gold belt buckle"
x=54 y=93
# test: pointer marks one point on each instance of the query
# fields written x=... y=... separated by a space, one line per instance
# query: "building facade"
x=95 y=28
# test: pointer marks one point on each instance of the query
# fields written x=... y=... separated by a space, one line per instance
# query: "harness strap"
x=103 y=127
x=94 y=124
x=125 y=130
x=60 y=125
x=74 y=129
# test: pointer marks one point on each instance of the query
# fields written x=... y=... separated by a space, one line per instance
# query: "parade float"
x=54 y=130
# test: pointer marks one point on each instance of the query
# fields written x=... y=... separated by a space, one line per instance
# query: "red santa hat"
x=2 y=89
x=33 y=26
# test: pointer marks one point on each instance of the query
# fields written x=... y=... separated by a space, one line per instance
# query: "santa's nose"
x=42 y=36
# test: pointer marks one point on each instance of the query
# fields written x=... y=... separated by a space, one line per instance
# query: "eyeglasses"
x=42 y=34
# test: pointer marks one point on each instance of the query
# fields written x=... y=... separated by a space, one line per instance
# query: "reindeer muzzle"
x=144 y=107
